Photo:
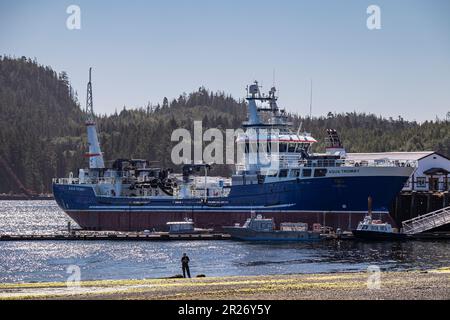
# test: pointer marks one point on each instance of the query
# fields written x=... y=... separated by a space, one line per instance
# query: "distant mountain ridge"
x=42 y=132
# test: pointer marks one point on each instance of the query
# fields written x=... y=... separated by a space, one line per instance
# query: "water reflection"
x=47 y=261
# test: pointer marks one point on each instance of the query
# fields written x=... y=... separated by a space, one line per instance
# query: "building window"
x=421 y=182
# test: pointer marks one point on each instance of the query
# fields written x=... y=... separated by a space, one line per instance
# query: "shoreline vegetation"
x=404 y=285
x=48 y=135
x=24 y=197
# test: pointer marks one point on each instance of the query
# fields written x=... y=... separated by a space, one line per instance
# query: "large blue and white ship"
x=278 y=177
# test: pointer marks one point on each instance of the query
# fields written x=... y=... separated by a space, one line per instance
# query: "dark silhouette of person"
x=185 y=265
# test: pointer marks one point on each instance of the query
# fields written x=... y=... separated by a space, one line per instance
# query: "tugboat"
x=370 y=229
x=261 y=229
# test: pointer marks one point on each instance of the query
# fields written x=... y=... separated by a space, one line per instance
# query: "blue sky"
x=144 y=50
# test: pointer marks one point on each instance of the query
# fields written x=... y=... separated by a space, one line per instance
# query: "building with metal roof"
x=432 y=173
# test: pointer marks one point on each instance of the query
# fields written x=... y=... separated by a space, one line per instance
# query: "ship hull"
x=246 y=234
x=334 y=202
x=380 y=236
x=149 y=220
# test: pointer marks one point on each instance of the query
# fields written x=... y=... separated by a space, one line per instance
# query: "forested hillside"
x=39 y=124
x=42 y=134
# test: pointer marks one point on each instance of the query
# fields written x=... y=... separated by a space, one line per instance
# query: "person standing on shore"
x=185 y=265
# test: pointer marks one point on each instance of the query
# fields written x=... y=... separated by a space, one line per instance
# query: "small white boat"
x=371 y=229
x=186 y=226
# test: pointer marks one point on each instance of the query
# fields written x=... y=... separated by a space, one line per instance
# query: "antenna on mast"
x=311 y=100
x=89 y=101
x=273 y=78
x=299 y=128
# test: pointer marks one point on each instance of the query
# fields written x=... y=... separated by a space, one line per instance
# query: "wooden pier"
x=100 y=236
x=93 y=236
x=412 y=204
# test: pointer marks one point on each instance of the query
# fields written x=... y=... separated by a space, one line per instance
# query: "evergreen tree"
x=42 y=132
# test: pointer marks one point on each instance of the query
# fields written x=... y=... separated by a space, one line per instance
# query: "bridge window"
x=291 y=147
x=302 y=146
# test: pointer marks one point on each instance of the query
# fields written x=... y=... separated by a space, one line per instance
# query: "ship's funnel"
x=253 y=95
x=95 y=154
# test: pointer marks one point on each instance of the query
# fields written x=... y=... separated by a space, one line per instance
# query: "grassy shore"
x=432 y=284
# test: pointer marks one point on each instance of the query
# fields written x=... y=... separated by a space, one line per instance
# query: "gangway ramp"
x=427 y=221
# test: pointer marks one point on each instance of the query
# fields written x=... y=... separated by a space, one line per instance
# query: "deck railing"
x=90 y=180
x=294 y=161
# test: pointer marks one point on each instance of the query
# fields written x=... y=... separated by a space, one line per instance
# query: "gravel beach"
x=432 y=284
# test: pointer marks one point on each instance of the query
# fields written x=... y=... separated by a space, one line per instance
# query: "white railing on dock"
x=427 y=221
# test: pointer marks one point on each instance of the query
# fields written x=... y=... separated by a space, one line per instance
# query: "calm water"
x=48 y=261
